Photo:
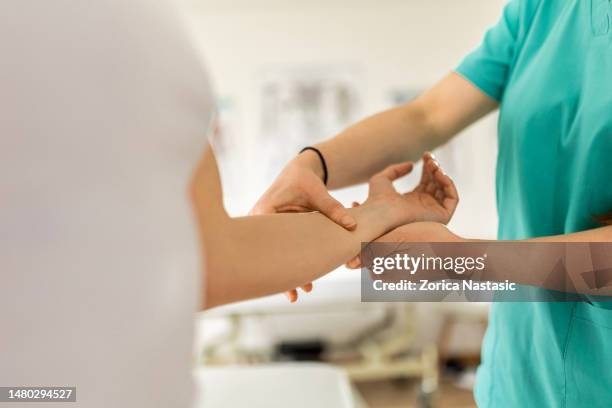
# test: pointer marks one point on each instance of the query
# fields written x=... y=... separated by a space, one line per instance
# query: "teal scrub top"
x=549 y=64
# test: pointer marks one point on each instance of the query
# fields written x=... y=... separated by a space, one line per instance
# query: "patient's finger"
x=354 y=263
x=439 y=195
x=446 y=184
x=426 y=175
x=451 y=197
x=382 y=182
x=292 y=295
x=395 y=171
x=430 y=167
x=431 y=188
x=262 y=208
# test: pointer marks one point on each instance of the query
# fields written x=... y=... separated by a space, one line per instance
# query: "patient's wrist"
x=379 y=217
x=398 y=215
x=393 y=212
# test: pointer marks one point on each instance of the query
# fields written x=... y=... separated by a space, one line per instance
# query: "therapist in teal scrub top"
x=547 y=66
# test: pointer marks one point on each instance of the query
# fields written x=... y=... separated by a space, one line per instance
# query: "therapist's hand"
x=415 y=232
x=300 y=188
x=381 y=194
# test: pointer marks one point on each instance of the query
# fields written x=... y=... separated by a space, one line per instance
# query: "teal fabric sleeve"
x=488 y=66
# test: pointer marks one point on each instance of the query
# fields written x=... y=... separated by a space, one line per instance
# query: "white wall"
x=394 y=43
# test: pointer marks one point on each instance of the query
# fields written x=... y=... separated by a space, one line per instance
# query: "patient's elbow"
x=208 y=303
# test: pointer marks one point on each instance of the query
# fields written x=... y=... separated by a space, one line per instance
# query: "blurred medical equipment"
x=304 y=385
x=382 y=348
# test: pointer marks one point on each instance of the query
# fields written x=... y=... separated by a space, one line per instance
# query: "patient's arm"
x=255 y=256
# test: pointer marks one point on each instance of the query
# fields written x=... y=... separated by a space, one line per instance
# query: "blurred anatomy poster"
x=300 y=106
x=448 y=154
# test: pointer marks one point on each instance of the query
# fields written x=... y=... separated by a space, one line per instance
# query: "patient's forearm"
x=261 y=255
x=255 y=256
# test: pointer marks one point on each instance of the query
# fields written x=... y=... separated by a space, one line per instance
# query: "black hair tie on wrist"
x=323 y=163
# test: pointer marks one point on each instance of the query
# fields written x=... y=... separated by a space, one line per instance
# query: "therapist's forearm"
x=393 y=136
x=603 y=234
x=582 y=268
x=528 y=267
x=262 y=255
x=402 y=133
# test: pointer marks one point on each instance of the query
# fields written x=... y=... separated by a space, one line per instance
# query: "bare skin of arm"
x=255 y=256
x=534 y=272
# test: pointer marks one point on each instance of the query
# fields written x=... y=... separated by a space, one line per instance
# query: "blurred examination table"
x=274 y=386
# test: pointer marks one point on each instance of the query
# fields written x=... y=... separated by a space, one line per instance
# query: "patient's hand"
x=435 y=198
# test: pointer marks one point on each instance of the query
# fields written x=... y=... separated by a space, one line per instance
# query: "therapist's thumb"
x=332 y=208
